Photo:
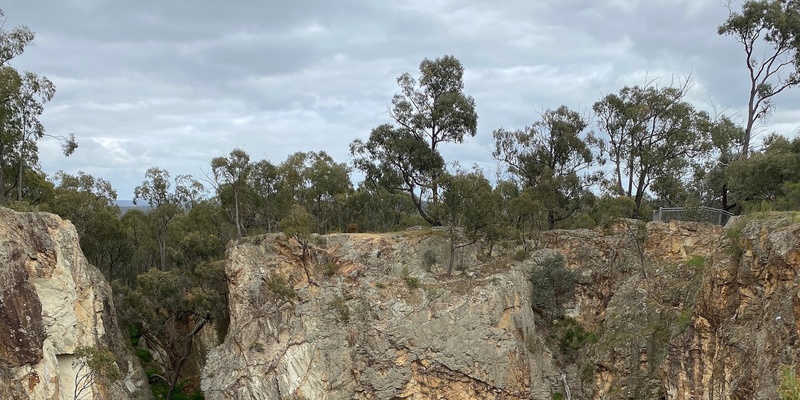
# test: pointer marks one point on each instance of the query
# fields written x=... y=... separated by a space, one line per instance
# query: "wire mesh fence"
x=700 y=214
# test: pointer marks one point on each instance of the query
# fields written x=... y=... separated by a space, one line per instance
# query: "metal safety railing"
x=700 y=214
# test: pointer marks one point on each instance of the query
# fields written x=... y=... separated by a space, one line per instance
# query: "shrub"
x=411 y=281
x=144 y=355
x=790 y=385
x=572 y=337
x=553 y=285
x=330 y=269
x=428 y=260
x=278 y=286
x=697 y=262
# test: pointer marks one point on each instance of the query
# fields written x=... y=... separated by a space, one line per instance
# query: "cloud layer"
x=174 y=84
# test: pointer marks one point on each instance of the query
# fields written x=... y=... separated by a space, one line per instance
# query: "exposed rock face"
x=365 y=333
x=660 y=311
x=747 y=322
x=52 y=302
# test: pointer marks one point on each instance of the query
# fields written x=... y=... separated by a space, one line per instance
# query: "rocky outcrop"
x=379 y=326
x=674 y=310
x=746 y=324
x=52 y=302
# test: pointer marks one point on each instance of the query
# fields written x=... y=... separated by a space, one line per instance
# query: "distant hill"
x=127 y=205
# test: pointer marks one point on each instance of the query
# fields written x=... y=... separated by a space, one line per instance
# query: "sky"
x=176 y=83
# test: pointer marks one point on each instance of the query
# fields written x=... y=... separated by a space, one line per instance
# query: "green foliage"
x=468 y=202
x=571 y=337
x=768 y=30
x=144 y=355
x=549 y=158
x=697 y=262
x=160 y=389
x=520 y=254
x=430 y=110
x=769 y=178
x=93 y=365
x=330 y=269
x=553 y=285
x=428 y=259
x=652 y=132
x=684 y=320
x=610 y=209
x=789 y=388
x=412 y=282
x=277 y=285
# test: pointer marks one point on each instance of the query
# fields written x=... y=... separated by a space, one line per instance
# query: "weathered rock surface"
x=368 y=332
x=52 y=302
x=660 y=311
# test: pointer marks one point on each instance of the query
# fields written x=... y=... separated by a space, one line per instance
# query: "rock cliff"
x=678 y=310
x=52 y=303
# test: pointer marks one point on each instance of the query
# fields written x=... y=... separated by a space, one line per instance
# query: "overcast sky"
x=175 y=83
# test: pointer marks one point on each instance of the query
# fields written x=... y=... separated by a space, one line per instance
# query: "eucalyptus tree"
x=468 y=202
x=233 y=172
x=650 y=132
x=316 y=181
x=552 y=157
x=22 y=99
x=769 y=32
x=269 y=199
x=166 y=202
x=430 y=110
x=89 y=202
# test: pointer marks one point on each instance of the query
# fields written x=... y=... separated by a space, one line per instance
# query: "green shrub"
x=412 y=282
x=278 y=286
x=520 y=254
x=330 y=269
x=572 y=337
x=789 y=388
x=697 y=262
x=553 y=285
x=144 y=355
x=428 y=260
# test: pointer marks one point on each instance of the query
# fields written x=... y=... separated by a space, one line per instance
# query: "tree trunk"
x=236 y=208
x=452 y=251
x=188 y=351
x=19 y=176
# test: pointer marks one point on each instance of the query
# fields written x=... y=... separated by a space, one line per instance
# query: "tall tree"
x=651 y=132
x=233 y=172
x=34 y=92
x=22 y=98
x=551 y=157
x=270 y=200
x=429 y=110
x=769 y=31
x=166 y=203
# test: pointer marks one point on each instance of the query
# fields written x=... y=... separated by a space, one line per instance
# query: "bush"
x=144 y=355
x=330 y=269
x=412 y=282
x=553 y=285
x=790 y=385
x=278 y=286
x=428 y=260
